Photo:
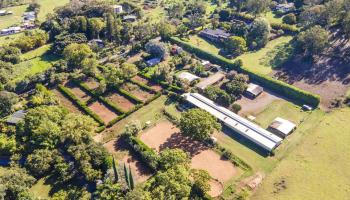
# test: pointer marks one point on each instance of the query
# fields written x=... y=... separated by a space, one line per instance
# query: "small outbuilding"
x=211 y=80
x=16 y=117
x=118 y=9
x=129 y=18
x=281 y=127
x=187 y=76
x=254 y=90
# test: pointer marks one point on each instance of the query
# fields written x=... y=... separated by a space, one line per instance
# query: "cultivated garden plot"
x=121 y=101
x=101 y=110
x=79 y=93
x=67 y=103
x=147 y=82
x=138 y=92
x=166 y=135
x=92 y=83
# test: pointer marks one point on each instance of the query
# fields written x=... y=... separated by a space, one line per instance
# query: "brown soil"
x=67 y=103
x=80 y=94
x=92 y=83
x=141 y=172
x=147 y=82
x=106 y=114
x=216 y=188
x=255 y=106
x=166 y=135
x=121 y=101
x=137 y=91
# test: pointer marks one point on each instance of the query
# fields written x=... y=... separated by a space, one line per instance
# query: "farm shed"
x=16 y=117
x=254 y=90
x=242 y=126
x=211 y=80
x=282 y=127
x=188 y=76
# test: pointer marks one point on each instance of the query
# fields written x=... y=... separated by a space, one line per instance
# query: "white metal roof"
x=251 y=131
x=283 y=126
x=188 y=76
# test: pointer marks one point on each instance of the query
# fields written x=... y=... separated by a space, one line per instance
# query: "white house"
x=188 y=76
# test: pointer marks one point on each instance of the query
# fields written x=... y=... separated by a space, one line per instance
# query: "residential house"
x=152 y=62
x=216 y=35
x=118 y=9
x=129 y=18
x=284 y=8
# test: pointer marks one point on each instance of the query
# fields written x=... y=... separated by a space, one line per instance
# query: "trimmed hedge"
x=100 y=129
x=104 y=100
x=289 y=91
x=143 y=86
x=80 y=104
x=147 y=155
x=124 y=92
x=164 y=84
x=233 y=158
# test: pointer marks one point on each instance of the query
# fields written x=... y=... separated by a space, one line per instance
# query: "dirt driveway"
x=255 y=106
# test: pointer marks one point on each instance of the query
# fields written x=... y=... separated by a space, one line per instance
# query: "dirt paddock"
x=137 y=91
x=66 y=102
x=101 y=110
x=166 y=135
x=80 y=94
x=147 y=82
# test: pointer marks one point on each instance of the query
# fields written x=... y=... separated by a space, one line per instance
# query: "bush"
x=236 y=108
x=130 y=96
x=292 y=92
x=147 y=155
x=290 y=19
x=233 y=158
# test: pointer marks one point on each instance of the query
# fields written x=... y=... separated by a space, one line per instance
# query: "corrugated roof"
x=251 y=131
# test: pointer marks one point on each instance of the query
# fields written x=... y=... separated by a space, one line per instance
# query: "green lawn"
x=318 y=168
x=47 y=6
x=41 y=190
x=203 y=44
x=262 y=61
x=272 y=18
x=34 y=62
x=15 y=18
x=9 y=38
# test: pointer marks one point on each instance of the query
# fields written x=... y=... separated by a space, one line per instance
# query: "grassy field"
x=316 y=169
x=261 y=61
x=35 y=61
x=9 y=38
x=203 y=44
x=15 y=18
x=272 y=18
x=41 y=190
x=47 y=6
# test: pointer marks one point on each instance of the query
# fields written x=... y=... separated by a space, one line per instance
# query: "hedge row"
x=130 y=96
x=233 y=158
x=285 y=27
x=147 y=155
x=143 y=86
x=277 y=86
x=171 y=117
x=80 y=104
x=104 y=100
x=164 y=84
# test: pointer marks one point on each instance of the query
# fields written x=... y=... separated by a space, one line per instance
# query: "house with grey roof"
x=216 y=35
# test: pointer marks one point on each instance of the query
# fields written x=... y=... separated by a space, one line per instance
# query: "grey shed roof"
x=216 y=33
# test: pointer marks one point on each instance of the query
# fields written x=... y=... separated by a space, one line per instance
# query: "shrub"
x=290 y=19
x=236 y=108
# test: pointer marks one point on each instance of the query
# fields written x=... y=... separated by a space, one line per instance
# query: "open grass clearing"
x=151 y=112
x=41 y=189
x=14 y=19
x=137 y=91
x=121 y=101
x=318 y=168
x=203 y=44
x=166 y=135
x=48 y=6
x=272 y=17
x=260 y=61
x=7 y=39
x=102 y=111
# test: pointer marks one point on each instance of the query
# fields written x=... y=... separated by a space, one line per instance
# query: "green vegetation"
x=272 y=17
x=40 y=189
x=256 y=61
x=321 y=159
x=48 y=6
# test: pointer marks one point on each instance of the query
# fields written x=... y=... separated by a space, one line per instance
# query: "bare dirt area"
x=137 y=91
x=166 y=135
x=147 y=82
x=121 y=101
x=67 y=103
x=255 y=106
x=328 y=75
x=92 y=83
x=80 y=94
x=141 y=172
x=101 y=110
